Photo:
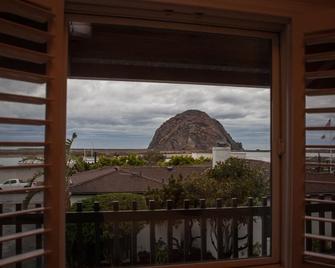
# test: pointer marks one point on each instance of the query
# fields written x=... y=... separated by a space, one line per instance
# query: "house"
x=127 y=179
x=287 y=45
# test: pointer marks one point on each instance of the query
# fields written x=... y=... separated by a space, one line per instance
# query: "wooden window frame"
x=277 y=125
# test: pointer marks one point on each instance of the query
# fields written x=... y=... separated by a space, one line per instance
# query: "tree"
x=39 y=174
x=234 y=178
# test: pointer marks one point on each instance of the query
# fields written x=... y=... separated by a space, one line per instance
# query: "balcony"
x=153 y=236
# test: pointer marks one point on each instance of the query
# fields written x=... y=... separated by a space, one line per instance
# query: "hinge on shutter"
x=281 y=147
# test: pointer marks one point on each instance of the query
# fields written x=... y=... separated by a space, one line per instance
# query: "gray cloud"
x=126 y=114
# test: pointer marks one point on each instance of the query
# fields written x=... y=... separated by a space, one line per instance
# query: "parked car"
x=14 y=184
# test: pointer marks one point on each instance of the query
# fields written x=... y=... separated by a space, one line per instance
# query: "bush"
x=234 y=178
x=80 y=250
x=181 y=160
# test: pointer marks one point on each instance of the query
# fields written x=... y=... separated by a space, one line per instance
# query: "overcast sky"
x=108 y=114
x=126 y=114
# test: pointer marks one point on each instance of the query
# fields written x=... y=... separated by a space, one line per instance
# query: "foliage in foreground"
x=182 y=160
x=234 y=178
x=80 y=248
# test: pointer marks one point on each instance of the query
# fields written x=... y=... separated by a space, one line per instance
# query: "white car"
x=13 y=184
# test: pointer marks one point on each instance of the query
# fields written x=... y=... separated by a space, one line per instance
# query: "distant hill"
x=191 y=130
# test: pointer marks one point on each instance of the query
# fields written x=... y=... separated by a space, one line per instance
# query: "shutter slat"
x=23 y=190
x=319 y=128
x=320 y=110
x=23 y=76
x=320 y=182
x=320 y=237
x=22 y=235
x=25 y=166
x=317 y=57
x=320 y=75
x=21 y=212
x=24 y=32
x=320 y=91
x=22 y=99
x=21 y=121
x=318 y=39
x=22 y=144
x=26 y=10
x=23 y=257
x=310 y=218
x=23 y=54
x=320 y=146
x=323 y=201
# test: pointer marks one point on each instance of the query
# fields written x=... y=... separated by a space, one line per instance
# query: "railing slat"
x=235 y=230
x=264 y=229
x=308 y=225
x=333 y=225
x=97 y=229
x=23 y=76
x=38 y=240
x=203 y=231
x=116 y=259
x=152 y=237
x=133 y=250
x=187 y=232
x=169 y=232
x=1 y=231
x=18 y=242
x=322 y=228
x=219 y=230
x=250 y=229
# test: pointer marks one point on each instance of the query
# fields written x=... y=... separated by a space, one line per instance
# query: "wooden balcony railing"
x=154 y=236
x=159 y=236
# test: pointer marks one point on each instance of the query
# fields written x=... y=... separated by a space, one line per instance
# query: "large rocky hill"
x=191 y=130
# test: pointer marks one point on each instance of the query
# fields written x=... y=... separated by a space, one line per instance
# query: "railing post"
x=219 y=231
x=235 y=230
x=38 y=242
x=264 y=227
x=203 y=231
x=322 y=229
x=152 y=235
x=250 y=228
x=169 y=231
x=1 y=231
x=96 y=208
x=79 y=237
x=116 y=258
x=18 y=242
x=133 y=250
x=333 y=225
x=308 y=225
x=187 y=232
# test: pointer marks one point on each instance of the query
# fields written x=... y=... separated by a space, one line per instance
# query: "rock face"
x=191 y=130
